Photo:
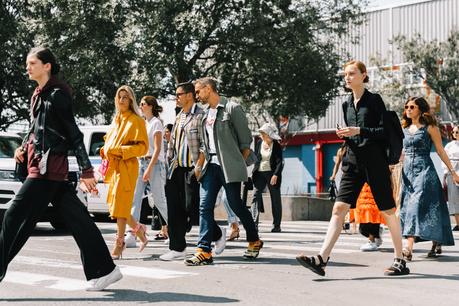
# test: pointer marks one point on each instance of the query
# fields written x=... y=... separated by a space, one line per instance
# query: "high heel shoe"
x=141 y=231
x=233 y=235
x=117 y=252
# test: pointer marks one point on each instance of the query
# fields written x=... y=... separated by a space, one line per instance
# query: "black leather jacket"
x=55 y=128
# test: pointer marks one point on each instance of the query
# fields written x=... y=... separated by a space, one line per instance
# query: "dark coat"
x=276 y=161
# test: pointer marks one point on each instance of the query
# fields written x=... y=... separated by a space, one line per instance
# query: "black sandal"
x=397 y=268
x=433 y=251
x=438 y=249
x=315 y=264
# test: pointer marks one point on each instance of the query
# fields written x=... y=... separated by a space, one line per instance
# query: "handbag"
x=332 y=191
x=103 y=167
x=21 y=171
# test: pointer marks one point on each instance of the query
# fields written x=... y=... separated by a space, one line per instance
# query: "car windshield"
x=8 y=145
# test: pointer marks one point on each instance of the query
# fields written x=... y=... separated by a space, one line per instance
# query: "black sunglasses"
x=410 y=106
x=180 y=93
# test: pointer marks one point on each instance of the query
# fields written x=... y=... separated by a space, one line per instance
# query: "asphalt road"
x=48 y=272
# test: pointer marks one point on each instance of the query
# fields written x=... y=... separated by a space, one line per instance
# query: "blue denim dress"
x=423 y=209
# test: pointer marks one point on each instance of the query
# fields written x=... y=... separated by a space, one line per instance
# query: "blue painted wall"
x=299 y=172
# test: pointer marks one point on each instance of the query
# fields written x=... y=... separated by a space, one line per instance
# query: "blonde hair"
x=132 y=104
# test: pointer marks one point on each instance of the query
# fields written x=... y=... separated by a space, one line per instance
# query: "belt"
x=145 y=158
x=212 y=154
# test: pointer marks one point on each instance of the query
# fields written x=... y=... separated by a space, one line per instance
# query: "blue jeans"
x=211 y=183
x=157 y=194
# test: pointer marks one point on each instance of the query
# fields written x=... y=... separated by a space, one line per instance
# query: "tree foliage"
x=437 y=63
x=278 y=54
x=14 y=87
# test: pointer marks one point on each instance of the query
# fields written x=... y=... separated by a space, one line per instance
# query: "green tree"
x=90 y=41
x=437 y=63
x=276 y=53
x=14 y=86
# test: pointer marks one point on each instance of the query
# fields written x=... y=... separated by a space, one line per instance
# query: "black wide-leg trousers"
x=24 y=213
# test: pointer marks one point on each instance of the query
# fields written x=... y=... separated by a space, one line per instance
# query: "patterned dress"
x=423 y=210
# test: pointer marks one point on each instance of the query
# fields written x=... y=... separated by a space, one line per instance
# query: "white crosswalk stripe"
x=296 y=237
x=69 y=284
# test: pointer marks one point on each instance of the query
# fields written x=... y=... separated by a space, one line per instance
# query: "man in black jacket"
x=53 y=133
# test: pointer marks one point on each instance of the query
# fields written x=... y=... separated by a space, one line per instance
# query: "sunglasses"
x=180 y=93
x=455 y=132
x=410 y=106
x=142 y=104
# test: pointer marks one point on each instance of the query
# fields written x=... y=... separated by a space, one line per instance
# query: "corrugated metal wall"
x=432 y=19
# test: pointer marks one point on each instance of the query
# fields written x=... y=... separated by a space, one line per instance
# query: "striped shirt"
x=181 y=144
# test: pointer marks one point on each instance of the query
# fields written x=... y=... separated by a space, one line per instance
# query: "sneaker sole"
x=405 y=271
x=118 y=277
x=305 y=264
x=203 y=263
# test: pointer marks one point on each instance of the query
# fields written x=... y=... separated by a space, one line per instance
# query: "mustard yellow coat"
x=125 y=141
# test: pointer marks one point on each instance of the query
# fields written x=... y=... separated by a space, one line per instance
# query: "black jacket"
x=54 y=126
x=276 y=161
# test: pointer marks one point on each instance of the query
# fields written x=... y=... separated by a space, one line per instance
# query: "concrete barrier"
x=294 y=208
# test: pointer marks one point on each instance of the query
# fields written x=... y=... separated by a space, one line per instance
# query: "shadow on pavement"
x=454 y=277
x=125 y=295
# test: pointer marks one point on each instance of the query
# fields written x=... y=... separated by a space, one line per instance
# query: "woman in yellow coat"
x=125 y=141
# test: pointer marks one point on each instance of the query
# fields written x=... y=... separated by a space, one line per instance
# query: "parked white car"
x=94 y=141
x=96 y=204
x=10 y=184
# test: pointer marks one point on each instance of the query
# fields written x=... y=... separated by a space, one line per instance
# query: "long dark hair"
x=46 y=56
x=424 y=107
x=151 y=101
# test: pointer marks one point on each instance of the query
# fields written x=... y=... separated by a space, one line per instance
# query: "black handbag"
x=332 y=191
x=20 y=171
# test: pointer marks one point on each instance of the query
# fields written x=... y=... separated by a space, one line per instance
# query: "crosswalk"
x=59 y=268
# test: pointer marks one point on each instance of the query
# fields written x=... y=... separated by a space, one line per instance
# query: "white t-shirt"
x=265 y=164
x=452 y=149
x=155 y=126
x=210 y=121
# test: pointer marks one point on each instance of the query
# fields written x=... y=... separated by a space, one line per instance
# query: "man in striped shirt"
x=182 y=188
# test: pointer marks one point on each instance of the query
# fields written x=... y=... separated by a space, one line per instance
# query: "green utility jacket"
x=232 y=135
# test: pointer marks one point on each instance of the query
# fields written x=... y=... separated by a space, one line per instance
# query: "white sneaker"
x=99 y=284
x=130 y=240
x=369 y=247
x=173 y=255
x=220 y=244
x=378 y=242
x=166 y=241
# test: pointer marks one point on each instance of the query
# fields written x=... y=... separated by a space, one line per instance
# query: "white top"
x=452 y=149
x=154 y=125
x=265 y=157
x=210 y=121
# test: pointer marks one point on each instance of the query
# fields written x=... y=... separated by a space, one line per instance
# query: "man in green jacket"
x=225 y=147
